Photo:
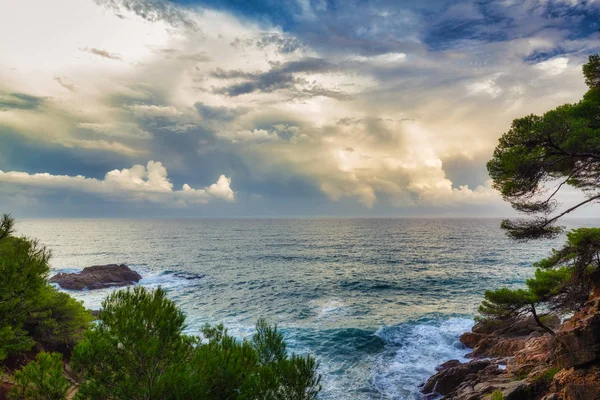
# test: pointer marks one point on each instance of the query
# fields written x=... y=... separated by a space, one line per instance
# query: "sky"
x=268 y=108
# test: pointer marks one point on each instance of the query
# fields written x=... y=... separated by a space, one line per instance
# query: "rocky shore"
x=521 y=361
x=97 y=277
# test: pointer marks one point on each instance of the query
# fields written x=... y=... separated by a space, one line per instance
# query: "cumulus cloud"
x=138 y=183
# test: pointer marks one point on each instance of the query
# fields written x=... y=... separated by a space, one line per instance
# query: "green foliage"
x=138 y=351
x=497 y=395
x=7 y=224
x=562 y=145
x=548 y=283
x=591 y=71
x=30 y=309
x=577 y=263
x=23 y=267
x=58 y=320
x=562 y=282
x=42 y=379
x=546 y=377
x=505 y=303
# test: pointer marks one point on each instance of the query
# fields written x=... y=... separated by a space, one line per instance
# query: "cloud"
x=151 y=10
x=378 y=106
x=212 y=113
x=280 y=76
x=20 y=101
x=62 y=82
x=102 y=53
x=138 y=183
x=118 y=129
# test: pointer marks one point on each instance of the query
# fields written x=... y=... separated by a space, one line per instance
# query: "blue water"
x=379 y=302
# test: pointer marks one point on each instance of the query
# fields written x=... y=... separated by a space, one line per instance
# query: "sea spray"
x=412 y=352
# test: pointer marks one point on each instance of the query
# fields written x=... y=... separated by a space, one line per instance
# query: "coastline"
x=519 y=360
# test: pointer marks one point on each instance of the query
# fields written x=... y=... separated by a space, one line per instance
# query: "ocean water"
x=379 y=302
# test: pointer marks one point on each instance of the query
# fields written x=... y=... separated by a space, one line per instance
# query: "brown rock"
x=448 y=364
x=579 y=384
x=506 y=347
x=446 y=381
x=517 y=390
x=537 y=351
x=578 y=342
x=471 y=339
x=97 y=277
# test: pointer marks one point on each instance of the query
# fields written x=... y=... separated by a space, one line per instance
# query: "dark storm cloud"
x=280 y=76
x=222 y=114
x=372 y=28
x=20 y=101
x=53 y=158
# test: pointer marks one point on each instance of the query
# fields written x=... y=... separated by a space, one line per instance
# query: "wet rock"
x=448 y=364
x=448 y=380
x=97 y=277
x=472 y=339
x=190 y=276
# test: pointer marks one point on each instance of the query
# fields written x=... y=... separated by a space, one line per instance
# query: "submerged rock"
x=97 y=277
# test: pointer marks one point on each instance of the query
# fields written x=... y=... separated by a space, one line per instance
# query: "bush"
x=23 y=267
x=41 y=379
x=58 y=321
x=30 y=309
x=497 y=395
x=546 y=377
x=138 y=351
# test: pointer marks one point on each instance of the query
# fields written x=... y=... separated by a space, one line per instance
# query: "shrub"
x=41 y=379
x=546 y=377
x=497 y=395
x=30 y=309
x=138 y=351
x=23 y=267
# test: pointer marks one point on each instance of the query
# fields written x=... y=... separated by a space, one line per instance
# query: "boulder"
x=97 y=277
x=578 y=343
x=448 y=364
x=472 y=339
x=447 y=380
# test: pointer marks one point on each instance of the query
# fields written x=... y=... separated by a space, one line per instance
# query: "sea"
x=379 y=302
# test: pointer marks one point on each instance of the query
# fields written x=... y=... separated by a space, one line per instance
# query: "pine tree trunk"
x=537 y=321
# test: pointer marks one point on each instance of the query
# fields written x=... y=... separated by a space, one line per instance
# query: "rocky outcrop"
x=576 y=384
x=522 y=361
x=97 y=277
x=578 y=341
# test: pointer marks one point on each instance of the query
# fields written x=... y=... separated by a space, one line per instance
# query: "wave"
x=413 y=351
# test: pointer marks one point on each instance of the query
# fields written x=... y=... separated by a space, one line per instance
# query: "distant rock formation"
x=97 y=277
x=521 y=361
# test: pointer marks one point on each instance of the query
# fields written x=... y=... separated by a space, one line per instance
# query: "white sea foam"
x=330 y=308
x=412 y=353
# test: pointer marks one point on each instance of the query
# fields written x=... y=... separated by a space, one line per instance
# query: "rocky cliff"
x=519 y=360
